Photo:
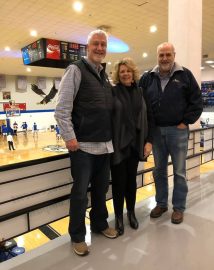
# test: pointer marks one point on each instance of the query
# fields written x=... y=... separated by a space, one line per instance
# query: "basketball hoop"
x=10 y=112
x=11 y=108
x=12 y=104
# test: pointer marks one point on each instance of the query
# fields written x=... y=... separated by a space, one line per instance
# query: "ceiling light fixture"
x=144 y=55
x=33 y=33
x=78 y=6
x=7 y=49
x=209 y=62
x=115 y=45
x=153 y=28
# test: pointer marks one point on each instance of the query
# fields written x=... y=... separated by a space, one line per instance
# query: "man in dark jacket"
x=176 y=102
x=83 y=113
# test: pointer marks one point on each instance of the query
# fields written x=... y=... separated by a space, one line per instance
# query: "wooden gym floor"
x=28 y=147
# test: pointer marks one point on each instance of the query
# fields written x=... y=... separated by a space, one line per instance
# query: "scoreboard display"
x=72 y=51
x=33 y=52
x=52 y=53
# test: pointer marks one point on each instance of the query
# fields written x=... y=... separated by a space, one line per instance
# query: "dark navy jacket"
x=179 y=102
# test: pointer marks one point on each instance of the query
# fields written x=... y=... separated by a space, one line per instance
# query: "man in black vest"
x=83 y=113
x=176 y=102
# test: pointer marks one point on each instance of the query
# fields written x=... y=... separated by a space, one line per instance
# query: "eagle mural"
x=46 y=98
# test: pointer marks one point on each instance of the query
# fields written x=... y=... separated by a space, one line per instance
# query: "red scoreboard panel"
x=53 y=49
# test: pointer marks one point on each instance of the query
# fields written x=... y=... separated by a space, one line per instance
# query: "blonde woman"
x=132 y=139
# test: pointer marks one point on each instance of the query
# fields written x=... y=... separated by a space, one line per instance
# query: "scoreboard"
x=52 y=53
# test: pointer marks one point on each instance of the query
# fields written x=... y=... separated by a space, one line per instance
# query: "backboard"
x=11 y=112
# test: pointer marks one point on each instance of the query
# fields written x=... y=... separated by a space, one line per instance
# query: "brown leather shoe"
x=81 y=248
x=110 y=233
x=177 y=217
x=158 y=211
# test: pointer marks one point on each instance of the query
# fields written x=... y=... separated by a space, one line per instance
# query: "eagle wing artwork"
x=40 y=92
x=49 y=96
x=37 y=90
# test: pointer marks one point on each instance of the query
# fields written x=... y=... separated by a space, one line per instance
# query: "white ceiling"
x=128 y=20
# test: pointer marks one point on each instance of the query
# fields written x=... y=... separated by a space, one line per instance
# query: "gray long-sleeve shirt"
x=68 y=90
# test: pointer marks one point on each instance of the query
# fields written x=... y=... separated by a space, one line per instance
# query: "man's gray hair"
x=96 y=32
x=165 y=44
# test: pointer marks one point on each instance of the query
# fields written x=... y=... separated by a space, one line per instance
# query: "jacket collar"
x=95 y=68
x=176 y=67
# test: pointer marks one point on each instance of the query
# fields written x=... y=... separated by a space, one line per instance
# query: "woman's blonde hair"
x=130 y=64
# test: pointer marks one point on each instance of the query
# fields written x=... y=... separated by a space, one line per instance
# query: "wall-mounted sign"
x=2 y=81
x=21 y=106
x=6 y=95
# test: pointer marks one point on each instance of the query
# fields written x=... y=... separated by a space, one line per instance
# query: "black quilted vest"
x=91 y=115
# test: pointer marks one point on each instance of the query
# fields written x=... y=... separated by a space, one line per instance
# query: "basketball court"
x=27 y=145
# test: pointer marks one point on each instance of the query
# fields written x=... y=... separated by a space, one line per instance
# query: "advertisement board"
x=21 y=106
x=53 y=49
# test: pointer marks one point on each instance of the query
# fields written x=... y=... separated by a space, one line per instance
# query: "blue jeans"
x=174 y=142
x=88 y=169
